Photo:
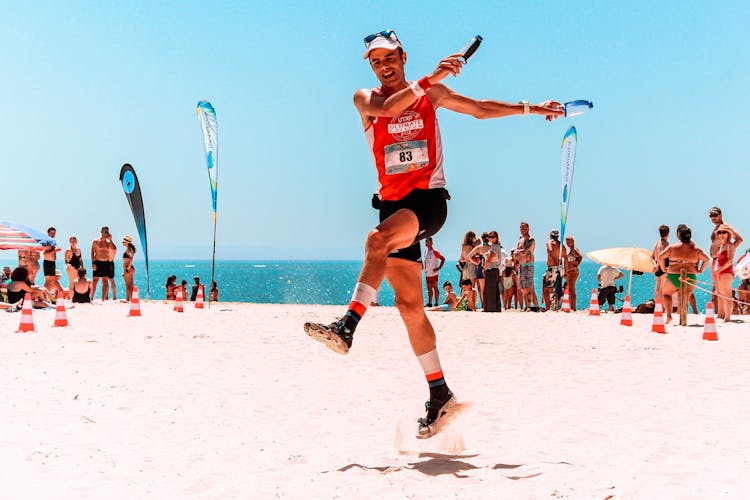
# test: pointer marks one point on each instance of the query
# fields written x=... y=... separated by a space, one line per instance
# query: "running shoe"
x=336 y=336
x=439 y=414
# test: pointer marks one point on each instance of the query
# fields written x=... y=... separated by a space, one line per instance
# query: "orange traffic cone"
x=709 y=328
x=658 y=325
x=27 y=319
x=61 y=319
x=135 y=303
x=199 y=298
x=627 y=313
x=594 y=306
x=566 y=302
x=178 y=302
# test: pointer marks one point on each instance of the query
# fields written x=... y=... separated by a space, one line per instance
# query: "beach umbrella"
x=742 y=268
x=14 y=236
x=630 y=258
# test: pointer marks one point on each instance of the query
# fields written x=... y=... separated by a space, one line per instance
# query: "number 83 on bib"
x=406 y=156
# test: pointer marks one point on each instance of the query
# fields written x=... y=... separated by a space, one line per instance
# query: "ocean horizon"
x=326 y=282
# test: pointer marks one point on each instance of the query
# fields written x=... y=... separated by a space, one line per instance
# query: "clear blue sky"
x=89 y=86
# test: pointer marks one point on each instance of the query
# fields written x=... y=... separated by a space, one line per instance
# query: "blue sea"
x=324 y=282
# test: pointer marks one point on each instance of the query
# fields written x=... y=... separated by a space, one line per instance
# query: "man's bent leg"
x=397 y=231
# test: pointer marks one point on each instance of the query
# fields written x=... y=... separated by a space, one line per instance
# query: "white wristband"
x=415 y=87
x=525 y=107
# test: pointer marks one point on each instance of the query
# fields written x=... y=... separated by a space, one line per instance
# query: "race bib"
x=406 y=156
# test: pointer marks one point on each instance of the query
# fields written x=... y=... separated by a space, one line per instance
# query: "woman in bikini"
x=171 y=287
x=128 y=271
x=572 y=271
x=73 y=262
x=721 y=271
x=686 y=255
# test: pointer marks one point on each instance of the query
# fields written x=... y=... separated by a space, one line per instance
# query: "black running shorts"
x=431 y=208
x=104 y=269
x=49 y=267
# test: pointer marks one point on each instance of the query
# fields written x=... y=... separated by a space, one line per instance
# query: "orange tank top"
x=407 y=149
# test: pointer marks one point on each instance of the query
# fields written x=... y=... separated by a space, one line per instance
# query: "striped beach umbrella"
x=15 y=236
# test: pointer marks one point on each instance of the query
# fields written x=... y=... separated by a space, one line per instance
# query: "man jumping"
x=401 y=128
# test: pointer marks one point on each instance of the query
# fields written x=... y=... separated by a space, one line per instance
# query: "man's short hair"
x=466 y=282
x=663 y=230
x=448 y=283
x=51 y=229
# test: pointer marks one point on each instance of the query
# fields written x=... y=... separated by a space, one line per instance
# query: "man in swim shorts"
x=103 y=264
x=401 y=128
x=525 y=255
x=49 y=260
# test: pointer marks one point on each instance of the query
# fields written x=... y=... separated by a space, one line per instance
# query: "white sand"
x=237 y=402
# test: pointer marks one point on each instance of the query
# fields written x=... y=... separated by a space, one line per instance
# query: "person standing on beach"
x=103 y=263
x=29 y=259
x=683 y=255
x=73 y=262
x=468 y=265
x=401 y=128
x=552 y=282
x=525 y=256
x=572 y=271
x=128 y=271
x=722 y=272
x=494 y=262
x=718 y=219
x=659 y=246
x=49 y=261
x=196 y=286
x=432 y=271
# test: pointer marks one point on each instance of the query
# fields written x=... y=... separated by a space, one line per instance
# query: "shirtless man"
x=686 y=255
x=50 y=260
x=552 y=282
x=103 y=264
x=525 y=256
x=53 y=285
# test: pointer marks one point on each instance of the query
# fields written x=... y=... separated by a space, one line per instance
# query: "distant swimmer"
x=401 y=128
